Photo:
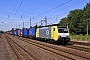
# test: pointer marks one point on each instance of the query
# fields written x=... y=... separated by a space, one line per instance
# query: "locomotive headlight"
x=66 y=36
x=59 y=36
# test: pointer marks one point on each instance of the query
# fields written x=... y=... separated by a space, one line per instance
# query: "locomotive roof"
x=52 y=25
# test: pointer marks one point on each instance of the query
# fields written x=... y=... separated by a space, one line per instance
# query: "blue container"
x=16 y=32
x=22 y=32
x=32 y=32
x=26 y=32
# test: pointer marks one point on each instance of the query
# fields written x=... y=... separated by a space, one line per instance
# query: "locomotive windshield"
x=62 y=30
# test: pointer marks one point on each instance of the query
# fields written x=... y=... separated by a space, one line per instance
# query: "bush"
x=80 y=37
x=72 y=33
x=83 y=38
x=1 y=31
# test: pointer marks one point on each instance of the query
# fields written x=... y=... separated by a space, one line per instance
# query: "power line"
x=57 y=16
x=14 y=6
x=55 y=8
x=39 y=6
x=13 y=9
x=65 y=7
x=64 y=13
x=18 y=8
x=34 y=10
x=32 y=16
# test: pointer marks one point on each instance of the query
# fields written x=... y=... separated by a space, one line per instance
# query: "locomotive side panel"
x=37 y=33
x=45 y=32
x=54 y=33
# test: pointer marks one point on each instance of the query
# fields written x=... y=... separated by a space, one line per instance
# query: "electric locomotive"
x=53 y=33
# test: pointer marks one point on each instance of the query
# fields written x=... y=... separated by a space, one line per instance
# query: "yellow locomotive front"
x=63 y=34
x=60 y=34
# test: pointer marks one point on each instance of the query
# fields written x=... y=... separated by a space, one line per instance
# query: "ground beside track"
x=71 y=52
x=39 y=52
x=6 y=53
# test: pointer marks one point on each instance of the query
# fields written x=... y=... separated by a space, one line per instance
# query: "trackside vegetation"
x=1 y=32
x=80 y=37
x=78 y=21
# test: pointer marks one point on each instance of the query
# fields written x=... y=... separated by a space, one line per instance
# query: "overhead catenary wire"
x=39 y=6
x=65 y=13
x=55 y=15
x=32 y=11
x=32 y=16
x=64 y=8
x=18 y=8
x=28 y=15
x=14 y=7
x=54 y=8
x=9 y=15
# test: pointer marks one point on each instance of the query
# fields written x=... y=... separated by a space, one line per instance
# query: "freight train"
x=50 y=33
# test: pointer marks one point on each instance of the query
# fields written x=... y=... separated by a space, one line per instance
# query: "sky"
x=14 y=12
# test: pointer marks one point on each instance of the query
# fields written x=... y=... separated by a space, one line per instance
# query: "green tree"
x=77 y=20
x=1 y=31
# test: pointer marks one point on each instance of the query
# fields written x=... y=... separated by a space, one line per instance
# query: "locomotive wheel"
x=65 y=43
x=51 y=41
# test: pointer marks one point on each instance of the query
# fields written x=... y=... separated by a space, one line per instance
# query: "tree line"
x=77 y=20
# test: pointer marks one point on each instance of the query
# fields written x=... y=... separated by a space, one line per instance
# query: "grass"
x=80 y=37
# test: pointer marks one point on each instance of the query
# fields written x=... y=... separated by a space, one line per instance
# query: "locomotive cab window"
x=53 y=29
x=60 y=30
x=63 y=30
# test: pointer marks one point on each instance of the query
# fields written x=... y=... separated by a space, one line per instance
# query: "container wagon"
x=32 y=32
x=19 y=32
x=22 y=32
x=26 y=32
x=16 y=32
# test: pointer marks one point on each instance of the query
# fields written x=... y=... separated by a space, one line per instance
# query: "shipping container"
x=15 y=32
x=22 y=32
x=19 y=32
x=32 y=32
x=26 y=32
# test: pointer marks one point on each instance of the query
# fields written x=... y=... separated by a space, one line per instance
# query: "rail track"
x=21 y=52
x=66 y=52
x=80 y=43
x=74 y=45
x=78 y=48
